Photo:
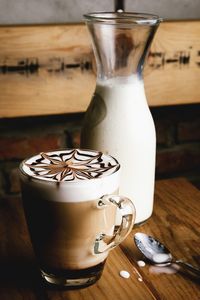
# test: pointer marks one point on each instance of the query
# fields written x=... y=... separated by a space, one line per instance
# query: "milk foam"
x=71 y=175
x=70 y=165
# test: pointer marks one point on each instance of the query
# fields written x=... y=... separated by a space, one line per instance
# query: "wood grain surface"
x=175 y=222
x=49 y=69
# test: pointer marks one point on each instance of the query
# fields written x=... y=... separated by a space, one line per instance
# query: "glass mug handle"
x=105 y=242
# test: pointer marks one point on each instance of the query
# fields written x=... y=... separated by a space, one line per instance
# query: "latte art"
x=70 y=165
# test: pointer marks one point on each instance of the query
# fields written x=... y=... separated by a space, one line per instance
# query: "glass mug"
x=72 y=211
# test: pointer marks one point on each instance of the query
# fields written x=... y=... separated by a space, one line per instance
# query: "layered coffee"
x=61 y=192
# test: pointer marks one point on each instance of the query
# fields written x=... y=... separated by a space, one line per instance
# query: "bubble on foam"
x=70 y=165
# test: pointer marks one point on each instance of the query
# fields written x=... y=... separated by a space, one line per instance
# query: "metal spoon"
x=158 y=254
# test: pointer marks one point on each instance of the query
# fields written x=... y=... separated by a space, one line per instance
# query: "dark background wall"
x=58 y=11
x=178 y=142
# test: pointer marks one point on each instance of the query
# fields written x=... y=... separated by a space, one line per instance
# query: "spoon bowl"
x=158 y=254
x=152 y=249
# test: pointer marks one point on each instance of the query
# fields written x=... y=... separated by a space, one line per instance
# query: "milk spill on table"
x=118 y=122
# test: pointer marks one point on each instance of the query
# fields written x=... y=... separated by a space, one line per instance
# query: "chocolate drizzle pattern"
x=71 y=165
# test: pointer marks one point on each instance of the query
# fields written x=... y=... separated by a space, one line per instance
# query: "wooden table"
x=175 y=222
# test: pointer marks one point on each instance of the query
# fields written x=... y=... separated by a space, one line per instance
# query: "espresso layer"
x=63 y=234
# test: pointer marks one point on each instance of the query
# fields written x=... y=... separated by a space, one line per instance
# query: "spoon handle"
x=189 y=267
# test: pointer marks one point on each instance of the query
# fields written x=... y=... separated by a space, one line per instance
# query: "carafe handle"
x=105 y=242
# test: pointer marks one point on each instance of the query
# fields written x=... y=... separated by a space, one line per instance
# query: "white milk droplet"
x=124 y=274
x=140 y=279
x=141 y=263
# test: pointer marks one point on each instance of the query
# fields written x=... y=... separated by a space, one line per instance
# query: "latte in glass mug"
x=71 y=203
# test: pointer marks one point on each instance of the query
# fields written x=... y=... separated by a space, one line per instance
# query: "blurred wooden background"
x=49 y=69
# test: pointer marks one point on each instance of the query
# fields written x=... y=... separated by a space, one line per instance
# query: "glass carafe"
x=118 y=120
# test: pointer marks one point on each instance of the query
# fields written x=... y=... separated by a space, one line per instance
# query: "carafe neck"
x=121 y=42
